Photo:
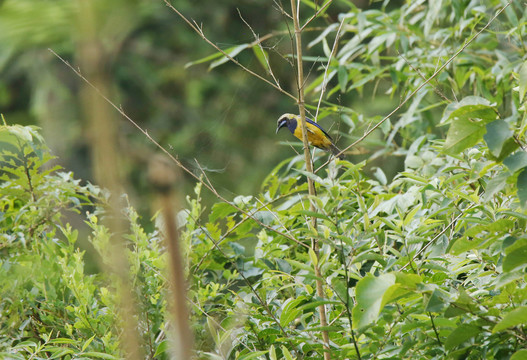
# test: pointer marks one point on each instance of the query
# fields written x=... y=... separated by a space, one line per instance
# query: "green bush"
x=50 y=306
x=429 y=263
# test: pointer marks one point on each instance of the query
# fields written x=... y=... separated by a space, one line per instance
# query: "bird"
x=316 y=135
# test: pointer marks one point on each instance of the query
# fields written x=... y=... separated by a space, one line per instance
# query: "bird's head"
x=284 y=120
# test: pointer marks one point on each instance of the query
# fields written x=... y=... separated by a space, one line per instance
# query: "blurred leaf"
x=252 y=355
x=262 y=57
x=314 y=214
x=342 y=77
x=519 y=355
x=523 y=80
x=513 y=318
x=290 y=311
x=516 y=161
x=220 y=211
x=161 y=348
x=272 y=353
x=437 y=301
x=286 y=353
x=495 y=185
x=516 y=257
x=498 y=133
x=521 y=185
x=461 y=334
x=204 y=60
x=99 y=355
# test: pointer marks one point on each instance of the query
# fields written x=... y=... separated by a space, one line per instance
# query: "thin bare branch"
x=199 y=31
x=326 y=69
x=436 y=89
x=326 y=4
x=258 y=43
x=174 y=159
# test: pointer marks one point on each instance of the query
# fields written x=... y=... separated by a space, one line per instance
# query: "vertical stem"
x=106 y=165
x=163 y=177
x=309 y=168
x=179 y=310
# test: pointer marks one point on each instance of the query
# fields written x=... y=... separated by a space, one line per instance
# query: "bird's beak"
x=281 y=124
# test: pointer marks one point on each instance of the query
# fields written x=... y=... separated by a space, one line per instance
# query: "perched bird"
x=316 y=135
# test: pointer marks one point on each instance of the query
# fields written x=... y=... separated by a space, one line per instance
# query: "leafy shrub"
x=50 y=306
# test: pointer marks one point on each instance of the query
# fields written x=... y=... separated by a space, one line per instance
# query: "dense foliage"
x=427 y=264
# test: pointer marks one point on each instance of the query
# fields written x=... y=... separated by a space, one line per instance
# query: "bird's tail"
x=335 y=151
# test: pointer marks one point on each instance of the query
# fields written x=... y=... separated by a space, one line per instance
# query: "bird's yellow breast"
x=315 y=136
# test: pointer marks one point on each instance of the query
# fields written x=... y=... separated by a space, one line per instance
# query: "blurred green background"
x=135 y=52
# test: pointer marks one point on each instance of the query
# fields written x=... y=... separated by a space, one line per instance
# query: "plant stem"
x=309 y=168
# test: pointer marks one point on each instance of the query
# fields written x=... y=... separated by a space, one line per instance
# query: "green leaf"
x=473 y=240
x=262 y=56
x=519 y=355
x=515 y=258
x=272 y=353
x=515 y=317
x=370 y=291
x=464 y=107
x=341 y=288
x=313 y=256
x=467 y=123
x=252 y=355
x=461 y=334
x=499 y=139
x=161 y=348
x=313 y=214
x=342 y=77
x=495 y=185
x=99 y=355
x=521 y=185
x=87 y=343
x=516 y=161
x=221 y=210
x=523 y=80
x=286 y=353
x=437 y=301
x=204 y=60
x=462 y=134
x=232 y=52
x=299 y=265
x=290 y=311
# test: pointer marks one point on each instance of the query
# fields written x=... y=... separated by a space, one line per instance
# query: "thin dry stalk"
x=309 y=168
x=103 y=131
x=163 y=177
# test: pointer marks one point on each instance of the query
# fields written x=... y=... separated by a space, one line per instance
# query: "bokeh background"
x=137 y=53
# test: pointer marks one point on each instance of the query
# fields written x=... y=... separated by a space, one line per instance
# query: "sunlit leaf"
x=467 y=123
x=369 y=294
